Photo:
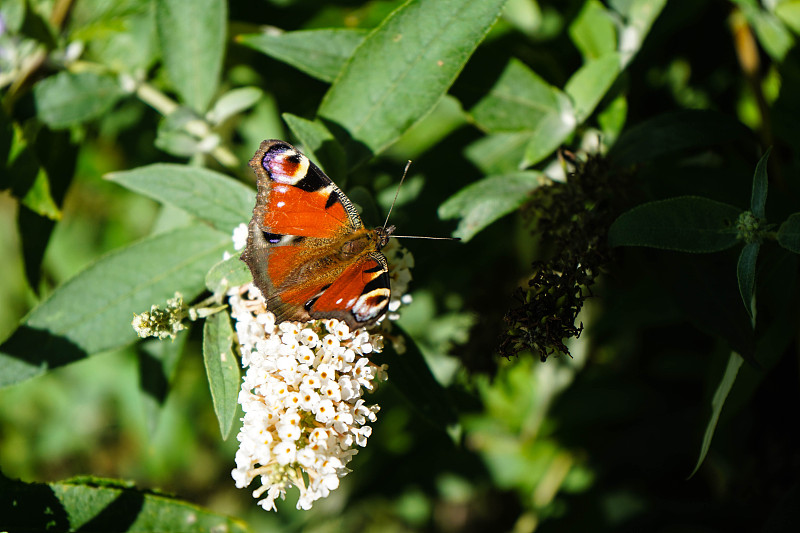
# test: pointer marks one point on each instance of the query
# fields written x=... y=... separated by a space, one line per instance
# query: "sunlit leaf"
x=590 y=83
x=319 y=53
x=210 y=196
x=192 y=36
x=593 y=30
x=92 y=312
x=222 y=369
x=404 y=67
x=67 y=98
x=228 y=273
x=481 y=203
x=95 y=504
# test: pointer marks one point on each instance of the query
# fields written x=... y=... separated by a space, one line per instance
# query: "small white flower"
x=285 y=452
x=325 y=411
x=288 y=432
x=239 y=237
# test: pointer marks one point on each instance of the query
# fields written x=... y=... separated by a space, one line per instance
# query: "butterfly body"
x=307 y=248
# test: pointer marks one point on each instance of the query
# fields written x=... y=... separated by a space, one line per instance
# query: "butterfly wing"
x=306 y=239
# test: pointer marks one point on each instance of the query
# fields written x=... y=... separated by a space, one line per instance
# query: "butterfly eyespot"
x=272 y=238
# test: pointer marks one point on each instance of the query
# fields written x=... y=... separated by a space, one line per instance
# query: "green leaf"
x=95 y=504
x=758 y=199
x=746 y=274
x=120 y=35
x=771 y=33
x=593 y=31
x=499 y=153
x=92 y=312
x=519 y=101
x=591 y=82
x=402 y=69
x=192 y=36
x=522 y=101
x=717 y=402
x=27 y=178
x=675 y=132
x=233 y=102
x=319 y=53
x=222 y=369
x=789 y=13
x=318 y=143
x=12 y=13
x=67 y=99
x=445 y=118
x=789 y=233
x=413 y=378
x=481 y=203
x=612 y=119
x=228 y=273
x=685 y=224
x=210 y=196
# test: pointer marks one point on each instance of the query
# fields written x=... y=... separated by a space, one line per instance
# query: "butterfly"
x=307 y=248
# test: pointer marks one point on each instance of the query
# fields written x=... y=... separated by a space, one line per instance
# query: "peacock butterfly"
x=307 y=248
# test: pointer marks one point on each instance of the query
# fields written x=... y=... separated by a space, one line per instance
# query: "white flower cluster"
x=302 y=400
x=302 y=393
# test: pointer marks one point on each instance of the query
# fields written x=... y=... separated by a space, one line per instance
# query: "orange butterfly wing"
x=307 y=249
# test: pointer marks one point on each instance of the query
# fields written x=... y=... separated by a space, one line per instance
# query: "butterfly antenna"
x=426 y=237
x=408 y=165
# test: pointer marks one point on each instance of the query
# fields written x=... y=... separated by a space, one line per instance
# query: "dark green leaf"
x=228 y=273
x=95 y=504
x=410 y=374
x=481 y=203
x=92 y=312
x=192 y=36
x=593 y=31
x=789 y=233
x=222 y=369
x=66 y=99
x=746 y=274
x=758 y=200
x=404 y=67
x=319 y=53
x=210 y=196
x=685 y=224
x=675 y=132
x=717 y=402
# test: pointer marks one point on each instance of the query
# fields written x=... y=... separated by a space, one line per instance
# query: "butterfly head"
x=383 y=233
